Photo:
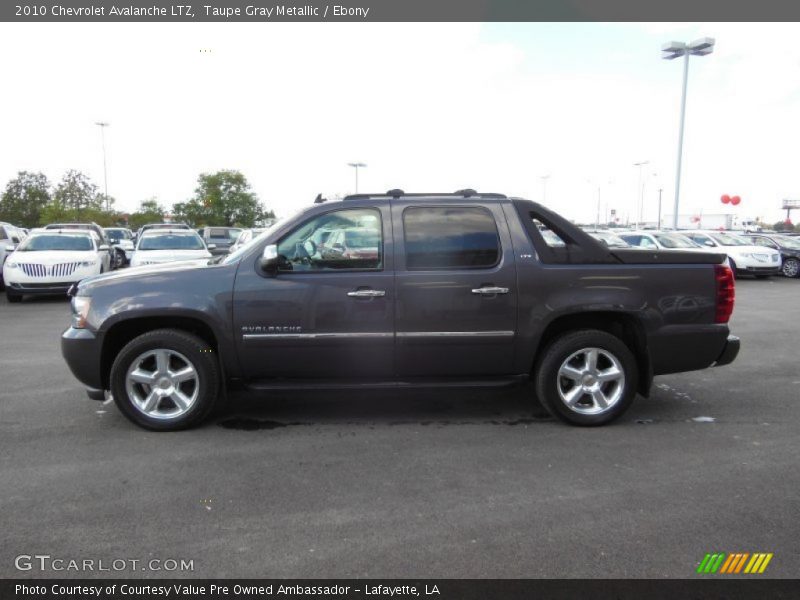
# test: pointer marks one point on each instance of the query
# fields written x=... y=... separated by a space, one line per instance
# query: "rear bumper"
x=679 y=348
x=729 y=352
x=82 y=349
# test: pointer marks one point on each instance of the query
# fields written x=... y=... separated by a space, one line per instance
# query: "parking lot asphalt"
x=416 y=484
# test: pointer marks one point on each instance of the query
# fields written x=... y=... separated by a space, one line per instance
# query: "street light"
x=544 y=179
x=356 y=165
x=670 y=51
x=640 y=189
x=103 y=126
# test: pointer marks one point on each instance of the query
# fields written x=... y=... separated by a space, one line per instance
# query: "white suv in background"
x=743 y=256
x=661 y=240
x=50 y=261
x=157 y=246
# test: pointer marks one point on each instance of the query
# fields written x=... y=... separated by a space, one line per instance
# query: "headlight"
x=87 y=263
x=11 y=264
x=80 y=310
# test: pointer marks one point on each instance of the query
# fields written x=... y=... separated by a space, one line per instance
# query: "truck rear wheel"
x=586 y=377
x=165 y=380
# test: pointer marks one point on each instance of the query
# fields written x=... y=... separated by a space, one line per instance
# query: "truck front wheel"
x=587 y=377
x=165 y=380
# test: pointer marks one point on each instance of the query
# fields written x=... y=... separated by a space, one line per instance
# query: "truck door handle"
x=367 y=294
x=490 y=290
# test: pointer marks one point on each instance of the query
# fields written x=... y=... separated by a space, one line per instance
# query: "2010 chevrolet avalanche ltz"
x=403 y=290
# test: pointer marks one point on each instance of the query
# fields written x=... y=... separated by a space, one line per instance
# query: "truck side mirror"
x=269 y=260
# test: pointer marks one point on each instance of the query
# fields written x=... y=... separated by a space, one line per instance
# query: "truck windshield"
x=40 y=243
x=171 y=241
x=728 y=239
x=116 y=235
x=669 y=240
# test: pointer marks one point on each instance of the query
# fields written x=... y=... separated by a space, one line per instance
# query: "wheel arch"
x=625 y=326
x=122 y=332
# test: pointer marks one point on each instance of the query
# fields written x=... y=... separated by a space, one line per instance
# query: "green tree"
x=192 y=213
x=223 y=198
x=24 y=198
x=783 y=226
x=76 y=192
x=150 y=211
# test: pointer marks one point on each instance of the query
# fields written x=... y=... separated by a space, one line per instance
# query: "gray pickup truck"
x=403 y=291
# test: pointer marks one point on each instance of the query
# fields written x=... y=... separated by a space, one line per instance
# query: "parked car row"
x=53 y=258
x=758 y=254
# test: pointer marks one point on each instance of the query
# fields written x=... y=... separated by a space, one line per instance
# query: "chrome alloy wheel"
x=162 y=384
x=791 y=267
x=591 y=381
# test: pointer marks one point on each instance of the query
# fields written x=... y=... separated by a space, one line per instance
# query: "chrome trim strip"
x=422 y=334
x=315 y=336
x=368 y=335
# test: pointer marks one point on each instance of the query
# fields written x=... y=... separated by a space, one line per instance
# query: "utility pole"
x=659 y=207
x=640 y=189
x=103 y=125
x=544 y=179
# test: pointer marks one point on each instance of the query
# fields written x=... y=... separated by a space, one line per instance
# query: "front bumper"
x=729 y=352
x=759 y=270
x=82 y=350
x=39 y=288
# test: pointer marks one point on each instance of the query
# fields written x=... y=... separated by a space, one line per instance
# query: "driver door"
x=326 y=314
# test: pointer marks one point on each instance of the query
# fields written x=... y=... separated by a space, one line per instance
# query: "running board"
x=289 y=384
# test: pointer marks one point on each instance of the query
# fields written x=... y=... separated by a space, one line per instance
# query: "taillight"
x=726 y=293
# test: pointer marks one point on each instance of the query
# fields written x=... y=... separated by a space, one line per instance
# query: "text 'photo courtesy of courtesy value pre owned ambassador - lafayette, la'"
x=402 y=290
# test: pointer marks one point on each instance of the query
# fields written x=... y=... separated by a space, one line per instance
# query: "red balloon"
x=725 y=198
x=735 y=200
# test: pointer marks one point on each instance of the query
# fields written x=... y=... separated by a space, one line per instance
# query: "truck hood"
x=144 y=271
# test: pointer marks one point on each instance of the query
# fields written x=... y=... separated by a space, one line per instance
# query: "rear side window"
x=450 y=238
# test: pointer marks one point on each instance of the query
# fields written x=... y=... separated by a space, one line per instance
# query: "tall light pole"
x=659 y=207
x=670 y=51
x=640 y=189
x=103 y=126
x=544 y=179
x=356 y=166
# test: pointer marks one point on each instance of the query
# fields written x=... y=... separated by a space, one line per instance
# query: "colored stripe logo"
x=735 y=563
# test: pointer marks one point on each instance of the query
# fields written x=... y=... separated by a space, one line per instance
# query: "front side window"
x=450 y=238
x=764 y=242
x=341 y=239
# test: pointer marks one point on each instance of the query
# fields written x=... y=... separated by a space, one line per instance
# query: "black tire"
x=549 y=382
x=791 y=268
x=12 y=297
x=187 y=348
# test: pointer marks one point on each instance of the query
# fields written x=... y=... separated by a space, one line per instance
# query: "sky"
x=428 y=107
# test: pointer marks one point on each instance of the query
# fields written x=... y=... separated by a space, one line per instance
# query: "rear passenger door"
x=456 y=291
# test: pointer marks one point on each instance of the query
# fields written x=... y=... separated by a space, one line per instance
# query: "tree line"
x=223 y=198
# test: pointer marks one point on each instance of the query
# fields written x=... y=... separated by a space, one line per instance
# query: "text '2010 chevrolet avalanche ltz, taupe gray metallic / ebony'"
x=403 y=290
